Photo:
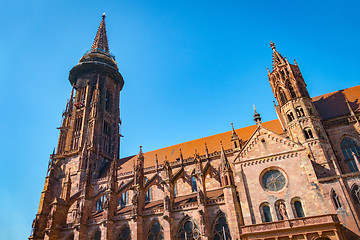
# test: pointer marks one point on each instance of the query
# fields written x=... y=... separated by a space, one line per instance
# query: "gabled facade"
x=296 y=177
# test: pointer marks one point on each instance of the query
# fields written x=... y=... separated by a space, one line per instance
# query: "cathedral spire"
x=101 y=41
x=277 y=58
x=257 y=117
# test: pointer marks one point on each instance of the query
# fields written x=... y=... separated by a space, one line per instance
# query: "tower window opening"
x=282 y=95
x=235 y=144
x=107 y=137
x=290 y=116
x=336 y=200
x=300 y=112
x=308 y=133
x=108 y=101
x=76 y=133
x=292 y=92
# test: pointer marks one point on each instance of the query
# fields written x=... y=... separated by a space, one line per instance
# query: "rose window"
x=273 y=180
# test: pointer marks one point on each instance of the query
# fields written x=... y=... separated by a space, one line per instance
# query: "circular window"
x=273 y=180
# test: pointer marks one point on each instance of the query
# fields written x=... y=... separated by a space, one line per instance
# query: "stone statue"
x=167 y=203
x=202 y=223
x=282 y=211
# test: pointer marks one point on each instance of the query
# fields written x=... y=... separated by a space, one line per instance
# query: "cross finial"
x=272 y=45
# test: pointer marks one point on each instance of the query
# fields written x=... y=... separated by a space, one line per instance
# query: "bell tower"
x=297 y=113
x=89 y=138
x=92 y=117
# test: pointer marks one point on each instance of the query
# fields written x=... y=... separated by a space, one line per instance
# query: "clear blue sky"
x=190 y=68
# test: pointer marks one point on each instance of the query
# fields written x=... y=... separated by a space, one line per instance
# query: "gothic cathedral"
x=296 y=177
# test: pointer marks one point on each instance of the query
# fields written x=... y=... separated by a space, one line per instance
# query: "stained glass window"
x=356 y=194
x=156 y=232
x=97 y=235
x=193 y=184
x=336 y=200
x=221 y=230
x=349 y=146
x=189 y=231
x=273 y=180
x=125 y=234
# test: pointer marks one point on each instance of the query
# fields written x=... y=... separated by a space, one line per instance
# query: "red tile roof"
x=328 y=105
x=333 y=104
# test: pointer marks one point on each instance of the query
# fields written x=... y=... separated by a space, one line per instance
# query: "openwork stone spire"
x=101 y=41
x=277 y=58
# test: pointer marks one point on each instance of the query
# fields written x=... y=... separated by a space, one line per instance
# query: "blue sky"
x=190 y=68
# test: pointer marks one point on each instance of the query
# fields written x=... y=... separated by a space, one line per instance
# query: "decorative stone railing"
x=292 y=223
x=215 y=201
x=185 y=206
x=153 y=211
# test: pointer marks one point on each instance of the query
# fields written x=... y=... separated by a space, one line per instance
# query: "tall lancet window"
x=221 y=228
x=193 y=184
x=356 y=194
x=282 y=95
x=348 y=147
x=336 y=200
x=148 y=195
x=292 y=91
x=156 y=232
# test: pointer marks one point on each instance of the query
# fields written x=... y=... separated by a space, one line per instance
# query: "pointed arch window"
x=97 y=235
x=336 y=200
x=100 y=202
x=266 y=213
x=175 y=190
x=188 y=230
x=193 y=184
x=125 y=234
x=123 y=201
x=221 y=228
x=156 y=232
x=356 y=194
x=292 y=91
x=348 y=147
x=282 y=95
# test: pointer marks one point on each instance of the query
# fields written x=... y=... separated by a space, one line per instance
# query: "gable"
x=264 y=143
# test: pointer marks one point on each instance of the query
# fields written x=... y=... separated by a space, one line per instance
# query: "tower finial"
x=272 y=45
x=101 y=41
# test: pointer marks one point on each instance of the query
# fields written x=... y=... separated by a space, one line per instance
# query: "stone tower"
x=298 y=115
x=89 y=139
